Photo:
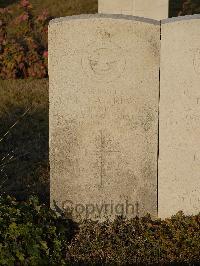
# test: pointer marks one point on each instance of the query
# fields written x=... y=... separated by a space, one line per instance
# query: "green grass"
x=66 y=8
x=59 y=8
x=27 y=173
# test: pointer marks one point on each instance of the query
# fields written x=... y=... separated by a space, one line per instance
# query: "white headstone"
x=179 y=159
x=154 y=9
x=104 y=90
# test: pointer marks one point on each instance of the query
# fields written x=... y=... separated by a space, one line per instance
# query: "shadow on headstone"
x=74 y=227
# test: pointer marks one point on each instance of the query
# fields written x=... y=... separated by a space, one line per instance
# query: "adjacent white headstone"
x=154 y=9
x=179 y=159
x=104 y=90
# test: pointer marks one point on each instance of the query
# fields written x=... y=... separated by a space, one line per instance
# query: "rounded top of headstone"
x=104 y=16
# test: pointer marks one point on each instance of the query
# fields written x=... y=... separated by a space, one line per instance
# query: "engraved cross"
x=103 y=151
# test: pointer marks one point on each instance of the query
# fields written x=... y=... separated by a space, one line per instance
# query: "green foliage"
x=138 y=241
x=31 y=234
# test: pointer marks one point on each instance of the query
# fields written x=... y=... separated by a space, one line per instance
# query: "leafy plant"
x=31 y=234
x=138 y=241
x=23 y=51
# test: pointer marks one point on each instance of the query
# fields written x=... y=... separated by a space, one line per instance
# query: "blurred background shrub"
x=24 y=31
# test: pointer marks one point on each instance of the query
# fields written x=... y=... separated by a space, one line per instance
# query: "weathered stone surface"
x=104 y=90
x=154 y=9
x=179 y=159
